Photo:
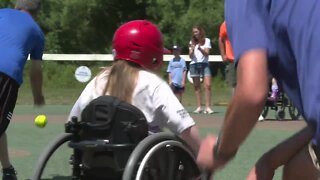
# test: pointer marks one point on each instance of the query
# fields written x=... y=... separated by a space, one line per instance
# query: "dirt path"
x=203 y=121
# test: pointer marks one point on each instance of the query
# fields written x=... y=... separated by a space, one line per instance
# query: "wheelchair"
x=279 y=105
x=157 y=156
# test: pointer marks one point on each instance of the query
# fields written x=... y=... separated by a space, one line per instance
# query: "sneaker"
x=208 y=111
x=261 y=118
x=198 y=110
x=9 y=173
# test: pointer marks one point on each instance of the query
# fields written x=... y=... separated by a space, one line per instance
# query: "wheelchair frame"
x=279 y=105
x=138 y=160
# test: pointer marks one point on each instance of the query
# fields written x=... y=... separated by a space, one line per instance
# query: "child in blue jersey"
x=177 y=72
x=284 y=37
x=20 y=36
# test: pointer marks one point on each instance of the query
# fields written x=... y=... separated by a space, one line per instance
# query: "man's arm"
x=247 y=102
x=36 y=82
x=222 y=49
x=242 y=113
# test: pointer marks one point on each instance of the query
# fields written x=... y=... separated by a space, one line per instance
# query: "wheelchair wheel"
x=293 y=111
x=265 y=111
x=47 y=153
x=280 y=114
x=161 y=156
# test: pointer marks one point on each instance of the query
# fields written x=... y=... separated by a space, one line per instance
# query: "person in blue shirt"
x=284 y=37
x=177 y=72
x=20 y=36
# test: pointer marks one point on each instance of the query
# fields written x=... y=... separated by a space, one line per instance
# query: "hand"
x=192 y=46
x=205 y=158
x=38 y=100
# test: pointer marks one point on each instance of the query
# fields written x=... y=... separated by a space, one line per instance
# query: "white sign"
x=83 y=74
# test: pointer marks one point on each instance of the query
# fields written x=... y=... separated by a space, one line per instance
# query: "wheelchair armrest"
x=99 y=144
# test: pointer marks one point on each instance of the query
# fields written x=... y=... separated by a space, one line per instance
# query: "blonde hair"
x=122 y=80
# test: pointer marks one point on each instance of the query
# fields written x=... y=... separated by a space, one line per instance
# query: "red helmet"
x=139 y=41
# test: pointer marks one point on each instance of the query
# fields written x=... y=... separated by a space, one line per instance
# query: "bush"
x=61 y=87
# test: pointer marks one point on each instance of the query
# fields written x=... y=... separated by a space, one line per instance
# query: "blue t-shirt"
x=289 y=31
x=19 y=36
x=176 y=67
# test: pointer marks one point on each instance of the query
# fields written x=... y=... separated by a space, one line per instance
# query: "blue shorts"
x=199 y=70
x=176 y=88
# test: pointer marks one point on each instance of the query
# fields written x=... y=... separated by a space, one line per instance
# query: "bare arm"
x=169 y=78
x=280 y=155
x=205 y=51
x=246 y=104
x=36 y=82
x=191 y=50
x=184 y=78
x=192 y=137
x=222 y=48
x=284 y=151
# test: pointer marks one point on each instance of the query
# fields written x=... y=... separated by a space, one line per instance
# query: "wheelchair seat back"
x=111 y=129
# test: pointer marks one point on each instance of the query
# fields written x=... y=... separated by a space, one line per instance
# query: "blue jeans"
x=199 y=70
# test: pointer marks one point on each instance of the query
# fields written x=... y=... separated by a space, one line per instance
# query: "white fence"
x=109 y=57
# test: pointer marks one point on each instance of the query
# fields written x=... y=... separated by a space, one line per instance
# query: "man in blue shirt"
x=20 y=36
x=284 y=37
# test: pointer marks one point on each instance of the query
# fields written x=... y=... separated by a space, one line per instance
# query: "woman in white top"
x=199 y=50
x=138 y=50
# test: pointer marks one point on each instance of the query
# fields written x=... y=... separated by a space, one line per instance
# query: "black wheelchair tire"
x=280 y=114
x=265 y=111
x=293 y=111
x=143 y=147
x=47 y=153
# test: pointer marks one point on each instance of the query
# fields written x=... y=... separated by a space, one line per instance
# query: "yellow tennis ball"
x=41 y=121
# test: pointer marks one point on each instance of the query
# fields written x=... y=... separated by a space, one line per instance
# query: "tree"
x=176 y=18
x=87 y=26
x=81 y=26
x=6 y=3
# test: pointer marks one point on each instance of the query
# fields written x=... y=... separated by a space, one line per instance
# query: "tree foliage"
x=87 y=26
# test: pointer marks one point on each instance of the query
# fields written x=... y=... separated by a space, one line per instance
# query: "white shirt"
x=152 y=96
x=198 y=57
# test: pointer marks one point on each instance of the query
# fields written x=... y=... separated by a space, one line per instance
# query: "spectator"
x=19 y=37
x=132 y=79
x=266 y=34
x=177 y=73
x=199 y=50
x=227 y=56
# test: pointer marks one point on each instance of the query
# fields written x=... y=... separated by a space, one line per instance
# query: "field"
x=27 y=141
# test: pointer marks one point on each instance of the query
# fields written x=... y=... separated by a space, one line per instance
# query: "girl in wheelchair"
x=138 y=56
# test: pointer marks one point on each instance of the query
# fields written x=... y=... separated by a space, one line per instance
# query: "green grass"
x=34 y=140
x=68 y=92
x=61 y=87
